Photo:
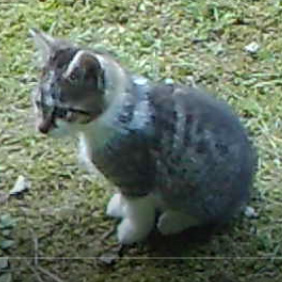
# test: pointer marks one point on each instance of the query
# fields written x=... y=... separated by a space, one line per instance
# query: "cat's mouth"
x=69 y=115
x=46 y=125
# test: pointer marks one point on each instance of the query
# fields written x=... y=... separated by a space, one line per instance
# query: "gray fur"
x=176 y=142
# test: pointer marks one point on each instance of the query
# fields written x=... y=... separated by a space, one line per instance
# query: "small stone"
x=109 y=258
x=252 y=48
x=191 y=81
x=250 y=212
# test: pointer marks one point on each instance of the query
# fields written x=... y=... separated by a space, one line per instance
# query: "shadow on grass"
x=192 y=243
x=178 y=245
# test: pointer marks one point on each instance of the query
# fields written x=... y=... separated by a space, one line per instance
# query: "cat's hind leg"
x=138 y=219
x=173 y=222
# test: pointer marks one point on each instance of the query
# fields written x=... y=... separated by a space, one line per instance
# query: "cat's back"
x=200 y=148
x=189 y=114
x=174 y=103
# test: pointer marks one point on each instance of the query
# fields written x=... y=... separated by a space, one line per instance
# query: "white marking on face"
x=74 y=63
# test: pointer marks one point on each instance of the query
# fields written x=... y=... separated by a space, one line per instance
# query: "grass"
x=63 y=215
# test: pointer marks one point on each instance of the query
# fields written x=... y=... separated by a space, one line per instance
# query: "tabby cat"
x=172 y=150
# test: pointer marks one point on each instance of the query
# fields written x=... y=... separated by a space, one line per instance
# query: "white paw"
x=115 y=206
x=138 y=218
x=129 y=232
x=171 y=222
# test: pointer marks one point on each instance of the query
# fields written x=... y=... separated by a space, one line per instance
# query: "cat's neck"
x=117 y=81
x=128 y=108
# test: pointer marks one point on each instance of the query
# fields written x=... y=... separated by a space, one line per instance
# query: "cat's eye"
x=61 y=112
x=72 y=76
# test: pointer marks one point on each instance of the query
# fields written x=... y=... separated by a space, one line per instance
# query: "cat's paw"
x=115 y=206
x=171 y=222
x=138 y=219
x=129 y=232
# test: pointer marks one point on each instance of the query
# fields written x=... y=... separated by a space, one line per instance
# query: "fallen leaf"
x=20 y=186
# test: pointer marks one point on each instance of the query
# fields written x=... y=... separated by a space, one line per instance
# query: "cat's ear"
x=90 y=65
x=44 y=43
x=87 y=65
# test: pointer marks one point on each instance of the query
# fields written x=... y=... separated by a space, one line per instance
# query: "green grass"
x=64 y=209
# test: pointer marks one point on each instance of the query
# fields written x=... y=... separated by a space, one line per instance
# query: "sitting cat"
x=169 y=148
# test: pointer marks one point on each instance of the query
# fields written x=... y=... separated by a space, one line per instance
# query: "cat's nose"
x=43 y=129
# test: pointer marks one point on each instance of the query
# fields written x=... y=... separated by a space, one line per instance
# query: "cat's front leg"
x=116 y=206
x=138 y=219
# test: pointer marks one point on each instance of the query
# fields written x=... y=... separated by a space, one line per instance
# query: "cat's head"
x=71 y=89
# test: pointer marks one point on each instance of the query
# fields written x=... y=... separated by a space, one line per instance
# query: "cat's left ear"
x=90 y=65
x=44 y=43
x=86 y=65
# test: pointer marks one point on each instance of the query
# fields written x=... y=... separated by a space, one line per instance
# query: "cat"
x=172 y=150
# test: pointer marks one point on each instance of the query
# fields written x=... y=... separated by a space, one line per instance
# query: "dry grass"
x=63 y=213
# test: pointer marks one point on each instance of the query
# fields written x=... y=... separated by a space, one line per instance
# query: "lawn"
x=56 y=231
